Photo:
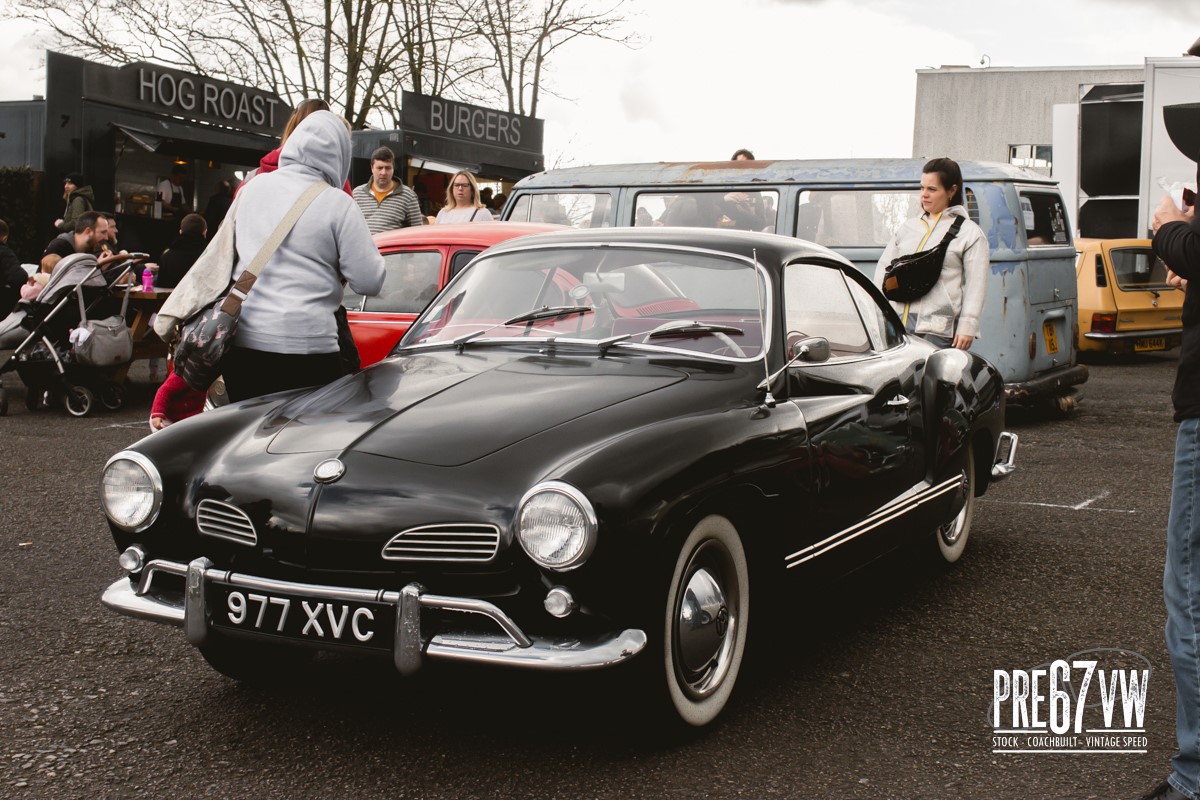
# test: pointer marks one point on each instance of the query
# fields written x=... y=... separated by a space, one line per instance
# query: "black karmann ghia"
x=593 y=447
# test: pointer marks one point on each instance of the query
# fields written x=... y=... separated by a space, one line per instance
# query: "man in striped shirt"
x=387 y=204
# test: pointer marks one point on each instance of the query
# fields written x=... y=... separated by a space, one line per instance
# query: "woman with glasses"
x=462 y=201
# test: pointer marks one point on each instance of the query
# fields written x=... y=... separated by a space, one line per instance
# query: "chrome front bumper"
x=509 y=645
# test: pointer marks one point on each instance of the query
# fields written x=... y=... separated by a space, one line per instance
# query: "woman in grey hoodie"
x=287 y=336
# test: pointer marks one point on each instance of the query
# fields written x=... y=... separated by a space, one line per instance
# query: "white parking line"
x=1086 y=505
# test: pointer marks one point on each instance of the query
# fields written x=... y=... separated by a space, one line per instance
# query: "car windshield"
x=664 y=299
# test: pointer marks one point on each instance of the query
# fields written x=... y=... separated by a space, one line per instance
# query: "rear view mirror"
x=811 y=349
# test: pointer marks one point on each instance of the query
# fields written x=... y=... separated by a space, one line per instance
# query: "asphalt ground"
x=880 y=689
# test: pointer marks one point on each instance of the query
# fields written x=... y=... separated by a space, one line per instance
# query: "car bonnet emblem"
x=329 y=471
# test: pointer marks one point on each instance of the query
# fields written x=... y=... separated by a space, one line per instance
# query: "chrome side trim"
x=508 y=645
x=893 y=510
x=1003 y=467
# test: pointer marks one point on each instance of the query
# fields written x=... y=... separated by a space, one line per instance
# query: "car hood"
x=447 y=408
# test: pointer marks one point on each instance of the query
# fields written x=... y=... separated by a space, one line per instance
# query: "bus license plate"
x=1051 y=337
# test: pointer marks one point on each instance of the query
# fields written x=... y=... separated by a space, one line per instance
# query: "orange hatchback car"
x=419 y=262
x=1125 y=304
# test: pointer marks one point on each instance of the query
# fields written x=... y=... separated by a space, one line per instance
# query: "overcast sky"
x=786 y=78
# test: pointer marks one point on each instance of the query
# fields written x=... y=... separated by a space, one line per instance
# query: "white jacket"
x=954 y=305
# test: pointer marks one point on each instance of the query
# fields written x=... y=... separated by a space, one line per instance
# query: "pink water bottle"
x=147 y=280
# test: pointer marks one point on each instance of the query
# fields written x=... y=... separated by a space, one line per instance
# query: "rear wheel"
x=255 y=663
x=3 y=403
x=78 y=401
x=705 y=622
x=951 y=536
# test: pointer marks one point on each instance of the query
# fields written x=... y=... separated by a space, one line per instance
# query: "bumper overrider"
x=264 y=600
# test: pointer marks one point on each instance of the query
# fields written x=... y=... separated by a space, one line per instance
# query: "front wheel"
x=706 y=619
x=78 y=401
x=951 y=537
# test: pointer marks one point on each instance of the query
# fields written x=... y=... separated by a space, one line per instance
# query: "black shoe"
x=1165 y=791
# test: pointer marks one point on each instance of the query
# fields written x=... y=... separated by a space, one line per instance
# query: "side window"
x=817 y=302
x=459 y=260
x=577 y=209
x=410 y=281
x=884 y=332
x=1045 y=219
x=854 y=218
x=747 y=211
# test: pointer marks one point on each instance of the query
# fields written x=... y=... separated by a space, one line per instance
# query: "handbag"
x=206 y=336
x=911 y=277
x=102 y=342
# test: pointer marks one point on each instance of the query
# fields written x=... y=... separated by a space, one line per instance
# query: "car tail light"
x=1104 y=323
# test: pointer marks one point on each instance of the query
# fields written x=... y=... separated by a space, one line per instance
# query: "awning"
x=188 y=139
x=420 y=162
x=144 y=138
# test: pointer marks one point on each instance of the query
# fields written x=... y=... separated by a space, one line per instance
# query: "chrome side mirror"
x=812 y=349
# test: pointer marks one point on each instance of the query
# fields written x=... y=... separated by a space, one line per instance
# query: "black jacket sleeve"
x=11 y=273
x=1178 y=245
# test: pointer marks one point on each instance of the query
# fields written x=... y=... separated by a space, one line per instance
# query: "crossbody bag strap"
x=245 y=281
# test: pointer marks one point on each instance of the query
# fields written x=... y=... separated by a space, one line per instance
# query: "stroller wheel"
x=78 y=401
x=113 y=396
x=3 y=403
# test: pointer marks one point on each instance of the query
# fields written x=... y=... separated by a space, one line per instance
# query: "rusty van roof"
x=899 y=171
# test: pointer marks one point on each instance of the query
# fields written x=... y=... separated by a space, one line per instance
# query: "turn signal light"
x=1032 y=346
x=1104 y=323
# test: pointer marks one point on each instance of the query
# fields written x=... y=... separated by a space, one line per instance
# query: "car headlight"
x=131 y=491
x=556 y=525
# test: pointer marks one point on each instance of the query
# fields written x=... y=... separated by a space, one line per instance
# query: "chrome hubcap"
x=705 y=624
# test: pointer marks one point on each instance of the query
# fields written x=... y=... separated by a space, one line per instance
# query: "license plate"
x=1153 y=343
x=1051 y=337
x=352 y=624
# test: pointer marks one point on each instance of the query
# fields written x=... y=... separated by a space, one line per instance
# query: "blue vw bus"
x=1029 y=325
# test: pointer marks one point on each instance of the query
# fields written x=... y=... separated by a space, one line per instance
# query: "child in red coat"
x=173 y=401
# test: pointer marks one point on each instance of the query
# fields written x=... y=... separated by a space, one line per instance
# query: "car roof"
x=901 y=171
x=483 y=234
x=1084 y=242
x=768 y=248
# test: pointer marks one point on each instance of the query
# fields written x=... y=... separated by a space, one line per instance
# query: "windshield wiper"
x=548 y=312
x=692 y=329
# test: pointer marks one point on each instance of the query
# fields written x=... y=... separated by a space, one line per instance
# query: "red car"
x=419 y=262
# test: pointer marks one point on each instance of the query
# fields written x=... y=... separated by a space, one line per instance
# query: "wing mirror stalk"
x=812 y=350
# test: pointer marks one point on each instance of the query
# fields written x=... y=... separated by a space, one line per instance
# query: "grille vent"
x=456 y=542
x=223 y=521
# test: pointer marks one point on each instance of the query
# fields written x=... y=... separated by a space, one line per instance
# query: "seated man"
x=177 y=259
x=91 y=228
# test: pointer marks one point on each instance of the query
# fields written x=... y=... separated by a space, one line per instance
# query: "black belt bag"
x=911 y=277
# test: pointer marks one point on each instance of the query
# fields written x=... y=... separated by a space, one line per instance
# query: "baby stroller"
x=78 y=346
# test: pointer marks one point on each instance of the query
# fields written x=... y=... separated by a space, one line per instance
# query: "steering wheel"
x=730 y=344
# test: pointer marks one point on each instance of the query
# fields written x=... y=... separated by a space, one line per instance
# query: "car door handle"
x=898 y=400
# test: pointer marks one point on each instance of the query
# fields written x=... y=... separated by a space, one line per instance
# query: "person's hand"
x=157 y=423
x=1178 y=281
x=1167 y=211
x=962 y=341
